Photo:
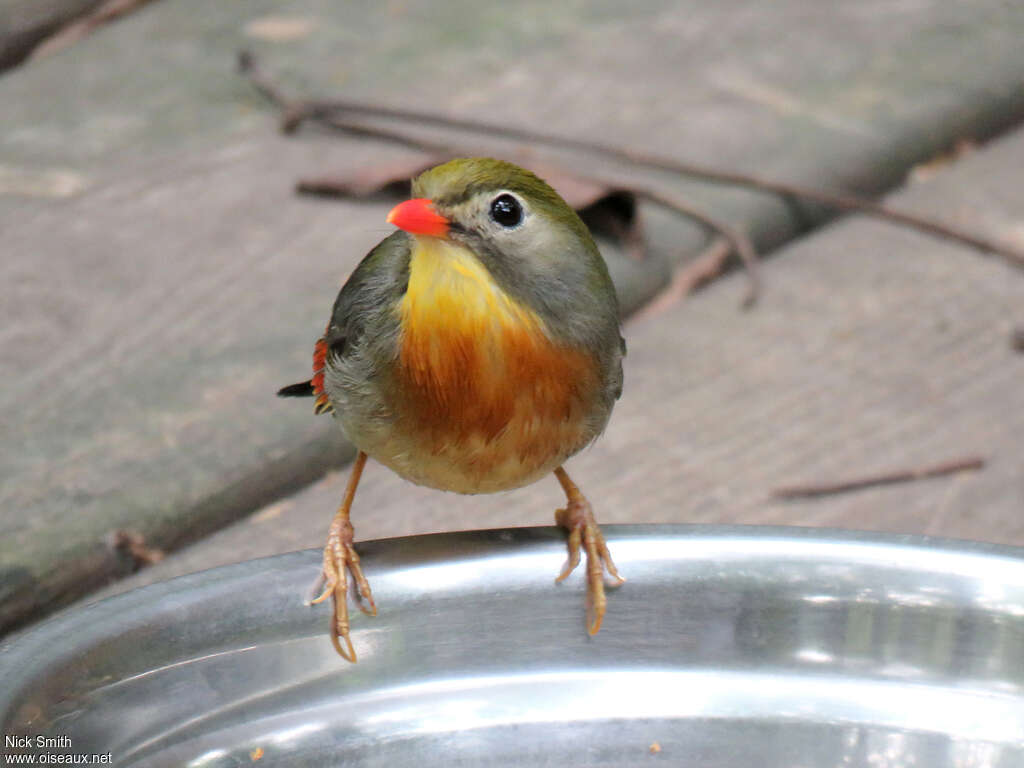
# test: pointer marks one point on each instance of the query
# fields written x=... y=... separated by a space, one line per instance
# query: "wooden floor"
x=161 y=280
x=873 y=349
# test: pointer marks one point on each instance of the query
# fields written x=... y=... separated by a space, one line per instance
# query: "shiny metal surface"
x=726 y=647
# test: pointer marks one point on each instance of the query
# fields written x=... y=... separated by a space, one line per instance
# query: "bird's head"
x=529 y=239
x=501 y=212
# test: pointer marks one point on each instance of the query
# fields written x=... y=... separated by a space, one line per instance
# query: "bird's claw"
x=341 y=559
x=578 y=519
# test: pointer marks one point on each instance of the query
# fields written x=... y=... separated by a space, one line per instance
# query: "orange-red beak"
x=418 y=217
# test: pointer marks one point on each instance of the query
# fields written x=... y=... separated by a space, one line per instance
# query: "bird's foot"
x=340 y=559
x=578 y=519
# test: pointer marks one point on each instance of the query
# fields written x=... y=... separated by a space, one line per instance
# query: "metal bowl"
x=726 y=647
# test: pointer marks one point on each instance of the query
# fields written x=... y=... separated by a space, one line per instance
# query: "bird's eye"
x=506 y=210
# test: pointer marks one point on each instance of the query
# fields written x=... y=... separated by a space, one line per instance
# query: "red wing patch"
x=322 y=403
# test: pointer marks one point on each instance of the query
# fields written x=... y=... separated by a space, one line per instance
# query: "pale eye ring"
x=506 y=211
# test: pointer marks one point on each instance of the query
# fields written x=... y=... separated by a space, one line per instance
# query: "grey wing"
x=377 y=283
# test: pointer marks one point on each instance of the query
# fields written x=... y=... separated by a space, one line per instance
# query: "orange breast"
x=479 y=381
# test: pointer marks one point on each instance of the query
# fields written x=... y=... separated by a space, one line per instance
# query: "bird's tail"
x=315 y=386
x=302 y=389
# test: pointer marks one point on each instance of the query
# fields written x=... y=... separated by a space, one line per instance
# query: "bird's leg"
x=578 y=519
x=340 y=558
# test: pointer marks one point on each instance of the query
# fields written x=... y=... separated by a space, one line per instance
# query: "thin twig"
x=708 y=265
x=839 y=201
x=79 y=28
x=248 y=67
x=739 y=243
x=887 y=478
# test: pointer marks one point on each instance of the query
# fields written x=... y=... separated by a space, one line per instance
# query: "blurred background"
x=161 y=278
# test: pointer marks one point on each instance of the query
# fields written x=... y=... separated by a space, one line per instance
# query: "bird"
x=474 y=350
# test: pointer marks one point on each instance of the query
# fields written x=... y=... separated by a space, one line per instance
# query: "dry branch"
x=325 y=111
x=887 y=478
x=294 y=112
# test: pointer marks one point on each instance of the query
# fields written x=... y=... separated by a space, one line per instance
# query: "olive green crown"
x=460 y=179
